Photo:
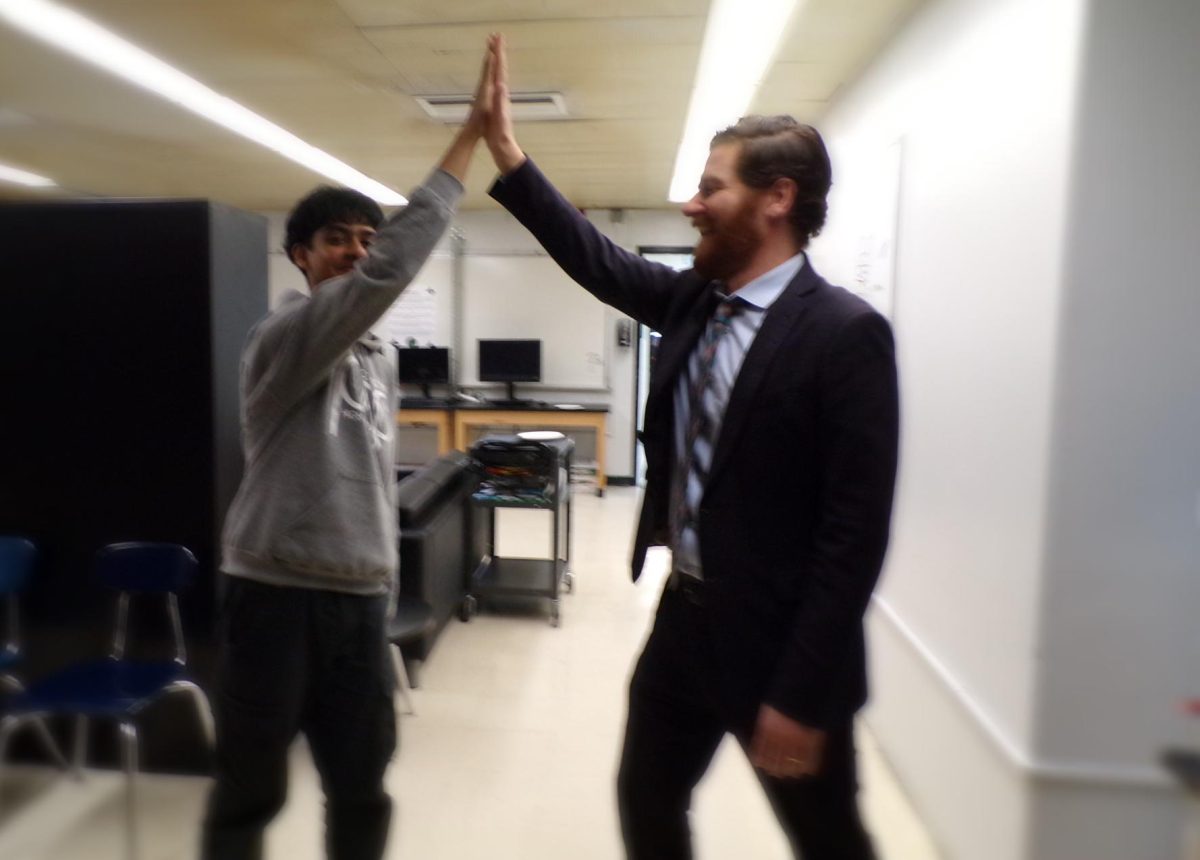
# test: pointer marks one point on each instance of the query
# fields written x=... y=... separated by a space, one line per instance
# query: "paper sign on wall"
x=412 y=319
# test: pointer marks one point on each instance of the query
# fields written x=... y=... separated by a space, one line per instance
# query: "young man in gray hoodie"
x=310 y=542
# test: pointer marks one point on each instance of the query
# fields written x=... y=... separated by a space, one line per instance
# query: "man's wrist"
x=508 y=157
x=470 y=135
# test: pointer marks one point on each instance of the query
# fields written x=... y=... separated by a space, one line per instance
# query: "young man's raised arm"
x=305 y=340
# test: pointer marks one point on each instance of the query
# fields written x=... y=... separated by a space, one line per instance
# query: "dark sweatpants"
x=296 y=659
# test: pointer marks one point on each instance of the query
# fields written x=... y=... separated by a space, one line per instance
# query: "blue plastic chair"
x=116 y=687
x=17 y=559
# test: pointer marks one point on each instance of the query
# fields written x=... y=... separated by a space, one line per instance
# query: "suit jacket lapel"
x=678 y=347
x=780 y=319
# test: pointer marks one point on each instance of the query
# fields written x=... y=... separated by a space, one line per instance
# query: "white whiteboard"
x=859 y=249
x=530 y=297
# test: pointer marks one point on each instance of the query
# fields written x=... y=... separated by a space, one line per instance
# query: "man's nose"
x=692 y=207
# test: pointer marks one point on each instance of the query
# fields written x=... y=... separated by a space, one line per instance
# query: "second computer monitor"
x=510 y=361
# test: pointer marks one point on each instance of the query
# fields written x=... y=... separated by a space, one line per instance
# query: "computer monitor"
x=510 y=361
x=424 y=365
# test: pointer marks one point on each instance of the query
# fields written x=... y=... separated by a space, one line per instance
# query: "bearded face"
x=727 y=212
x=728 y=241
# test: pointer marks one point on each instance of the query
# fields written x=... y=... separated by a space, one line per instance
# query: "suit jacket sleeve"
x=857 y=440
x=632 y=284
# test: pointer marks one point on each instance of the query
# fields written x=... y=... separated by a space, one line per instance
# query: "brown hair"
x=779 y=147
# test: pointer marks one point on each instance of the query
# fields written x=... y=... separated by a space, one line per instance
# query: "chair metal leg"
x=12 y=722
x=129 y=754
x=402 y=681
x=13 y=683
x=203 y=709
x=51 y=745
x=8 y=725
x=81 y=744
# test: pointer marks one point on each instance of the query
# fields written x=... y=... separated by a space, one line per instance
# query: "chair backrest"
x=140 y=567
x=17 y=556
x=143 y=567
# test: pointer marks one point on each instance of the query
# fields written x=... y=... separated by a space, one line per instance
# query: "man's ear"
x=781 y=196
x=299 y=256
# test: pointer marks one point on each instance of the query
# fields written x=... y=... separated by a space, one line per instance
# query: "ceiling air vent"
x=526 y=107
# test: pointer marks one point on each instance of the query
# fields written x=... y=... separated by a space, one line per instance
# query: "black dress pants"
x=301 y=660
x=677 y=720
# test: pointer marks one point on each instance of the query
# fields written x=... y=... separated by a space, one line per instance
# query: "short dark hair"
x=325 y=205
x=779 y=147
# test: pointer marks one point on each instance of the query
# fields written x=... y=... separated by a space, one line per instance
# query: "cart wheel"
x=555 y=618
x=568 y=582
x=468 y=608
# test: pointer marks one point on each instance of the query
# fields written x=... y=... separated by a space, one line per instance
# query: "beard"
x=729 y=247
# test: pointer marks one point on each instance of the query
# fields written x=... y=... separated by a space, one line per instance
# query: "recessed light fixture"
x=69 y=31
x=16 y=176
x=526 y=107
x=740 y=41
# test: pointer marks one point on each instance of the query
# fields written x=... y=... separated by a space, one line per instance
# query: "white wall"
x=1120 y=637
x=496 y=233
x=980 y=95
x=1036 y=626
x=1125 y=542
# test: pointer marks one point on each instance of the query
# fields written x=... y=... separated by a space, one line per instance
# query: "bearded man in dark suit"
x=771 y=444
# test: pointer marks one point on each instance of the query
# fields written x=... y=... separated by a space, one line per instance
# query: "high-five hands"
x=458 y=156
x=501 y=140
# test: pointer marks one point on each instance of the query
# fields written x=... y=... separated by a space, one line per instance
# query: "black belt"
x=689 y=587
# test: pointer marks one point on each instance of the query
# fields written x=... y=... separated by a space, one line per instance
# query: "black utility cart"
x=530 y=470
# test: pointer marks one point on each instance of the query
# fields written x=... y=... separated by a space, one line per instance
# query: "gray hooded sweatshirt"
x=316 y=506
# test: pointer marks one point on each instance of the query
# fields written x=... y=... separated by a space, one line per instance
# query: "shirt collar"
x=762 y=292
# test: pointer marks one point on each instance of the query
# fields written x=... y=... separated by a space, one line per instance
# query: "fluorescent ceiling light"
x=16 y=176
x=71 y=32
x=526 y=107
x=740 y=41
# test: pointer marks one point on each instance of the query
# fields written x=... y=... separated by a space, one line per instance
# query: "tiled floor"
x=511 y=754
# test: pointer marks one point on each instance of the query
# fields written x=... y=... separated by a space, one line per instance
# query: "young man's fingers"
x=486 y=73
x=501 y=60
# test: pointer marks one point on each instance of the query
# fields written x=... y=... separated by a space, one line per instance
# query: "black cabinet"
x=440 y=544
x=121 y=327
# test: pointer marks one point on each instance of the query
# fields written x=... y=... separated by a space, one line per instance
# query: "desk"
x=436 y=418
x=457 y=420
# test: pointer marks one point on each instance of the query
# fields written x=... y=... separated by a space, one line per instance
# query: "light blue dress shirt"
x=756 y=298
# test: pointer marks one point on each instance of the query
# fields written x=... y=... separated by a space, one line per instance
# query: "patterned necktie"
x=700 y=424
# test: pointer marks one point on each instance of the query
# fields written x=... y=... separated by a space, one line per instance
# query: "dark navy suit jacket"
x=793 y=523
